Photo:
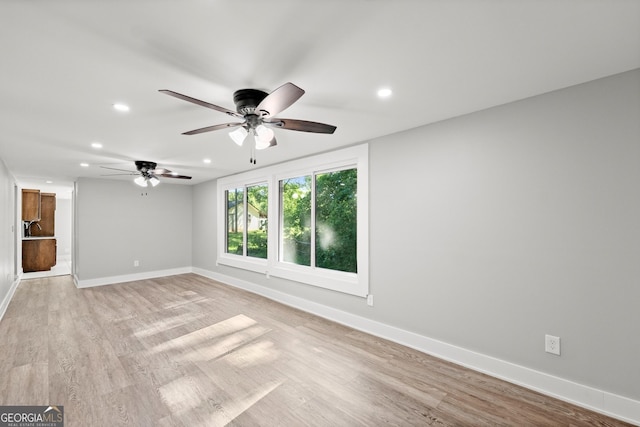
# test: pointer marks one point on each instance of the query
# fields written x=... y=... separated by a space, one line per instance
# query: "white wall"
x=525 y=224
x=63 y=229
x=118 y=222
x=7 y=236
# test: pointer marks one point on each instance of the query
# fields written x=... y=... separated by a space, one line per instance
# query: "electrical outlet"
x=552 y=344
x=370 y=300
x=136 y=263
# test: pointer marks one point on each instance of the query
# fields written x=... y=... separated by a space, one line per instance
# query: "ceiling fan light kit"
x=265 y=137
x=258 y=108
x=238 y=136
x=143 y=181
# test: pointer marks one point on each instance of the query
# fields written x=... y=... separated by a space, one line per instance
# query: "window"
x=319 y=229
x=326 y=203
x=246 y=232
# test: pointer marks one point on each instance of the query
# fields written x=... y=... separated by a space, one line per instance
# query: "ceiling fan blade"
x=201 y=103
x=302 y=125
x=120 y=174
x=173 y=175
x=214 y=127
x=279 y=100
x=121 y=170
x=168 y=174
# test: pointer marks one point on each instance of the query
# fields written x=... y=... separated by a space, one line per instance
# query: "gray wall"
x=526 y=223
x=205 y=233
x=7 y=227
x=118 y=222
x=523 y=222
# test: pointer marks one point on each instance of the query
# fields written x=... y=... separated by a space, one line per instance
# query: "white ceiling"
x=64 y=63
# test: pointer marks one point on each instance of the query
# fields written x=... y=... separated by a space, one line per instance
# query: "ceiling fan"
x=148 y=173
x=257 y=110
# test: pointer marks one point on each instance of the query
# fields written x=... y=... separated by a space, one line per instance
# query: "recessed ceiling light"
x=96 y=145
x=207 y=161
x=49 y=181
x=121 y=107
x=84 y=165
x=384 y=92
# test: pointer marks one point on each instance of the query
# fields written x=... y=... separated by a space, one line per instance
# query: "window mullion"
x=312 y=261
x=245 y=220
x=280 y=214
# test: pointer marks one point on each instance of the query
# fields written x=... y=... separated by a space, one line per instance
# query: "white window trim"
x=350 y=283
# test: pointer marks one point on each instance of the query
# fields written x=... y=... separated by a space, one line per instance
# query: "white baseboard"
x=7 y=299
x=88 y=283
x=591 y=398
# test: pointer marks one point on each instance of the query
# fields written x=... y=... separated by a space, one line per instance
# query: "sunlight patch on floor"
x=182 y=394
x=162 y=325
x=253 y=354
x=187 y=402
x=233 y=408
x=193 y=339
x=216 y=348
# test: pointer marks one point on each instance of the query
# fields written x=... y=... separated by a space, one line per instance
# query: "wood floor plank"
x=134 y=411
x=188 y=351
x=65 y=348
x=26 y=385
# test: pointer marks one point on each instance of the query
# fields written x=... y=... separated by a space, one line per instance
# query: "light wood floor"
x=188 y=351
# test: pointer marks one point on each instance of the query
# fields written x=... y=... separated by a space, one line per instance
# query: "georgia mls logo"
x=31 y=416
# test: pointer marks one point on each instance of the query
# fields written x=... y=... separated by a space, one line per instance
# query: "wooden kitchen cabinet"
x=38 y=254
x=30 y=205
x=47 y=216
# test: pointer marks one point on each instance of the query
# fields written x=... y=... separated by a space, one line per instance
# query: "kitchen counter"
x=38 y=237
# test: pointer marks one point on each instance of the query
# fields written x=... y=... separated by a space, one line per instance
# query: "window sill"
x=348 y=283
x=257 y=265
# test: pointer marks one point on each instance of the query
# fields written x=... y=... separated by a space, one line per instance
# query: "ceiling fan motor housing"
x=145 y=166
x=247 y=100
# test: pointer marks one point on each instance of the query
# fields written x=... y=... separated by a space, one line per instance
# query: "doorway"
x=63 y=236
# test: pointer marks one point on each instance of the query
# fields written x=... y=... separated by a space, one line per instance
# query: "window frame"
x=240 y=261
x=349 y=283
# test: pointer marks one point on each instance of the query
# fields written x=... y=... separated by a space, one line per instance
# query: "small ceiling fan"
x=257 y=109
x=148 y=172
